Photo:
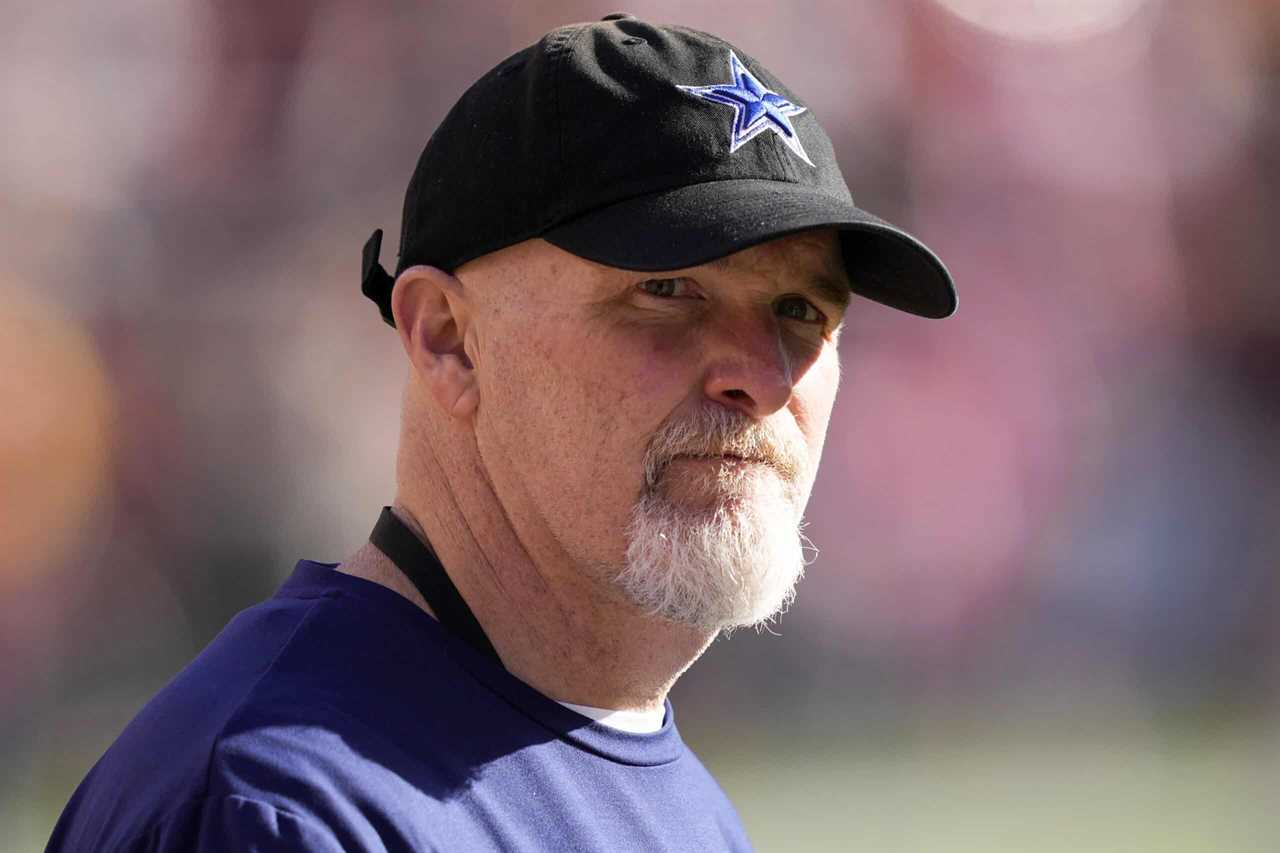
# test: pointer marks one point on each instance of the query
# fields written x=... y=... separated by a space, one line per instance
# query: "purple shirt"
x=337 y=716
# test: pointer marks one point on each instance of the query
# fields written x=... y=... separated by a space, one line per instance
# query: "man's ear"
x=432 y=315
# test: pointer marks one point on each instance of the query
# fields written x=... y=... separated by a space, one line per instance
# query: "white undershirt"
x=636 y=722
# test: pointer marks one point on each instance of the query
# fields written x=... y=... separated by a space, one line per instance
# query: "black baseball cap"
x=642 y=147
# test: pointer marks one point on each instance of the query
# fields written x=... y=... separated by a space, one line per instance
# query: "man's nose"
x=748 y=367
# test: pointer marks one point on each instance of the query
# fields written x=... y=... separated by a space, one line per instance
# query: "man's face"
x=664 y=429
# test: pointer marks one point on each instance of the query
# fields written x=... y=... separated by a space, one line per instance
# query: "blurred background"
x=1044 y=614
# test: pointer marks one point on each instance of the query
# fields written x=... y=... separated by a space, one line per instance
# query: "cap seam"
x=557 y=61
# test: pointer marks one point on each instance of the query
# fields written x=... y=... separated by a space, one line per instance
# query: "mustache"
x=714 y=430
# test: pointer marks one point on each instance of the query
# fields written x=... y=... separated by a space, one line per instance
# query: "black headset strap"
x=420 y=565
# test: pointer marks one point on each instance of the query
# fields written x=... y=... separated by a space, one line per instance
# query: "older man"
x=625 y=259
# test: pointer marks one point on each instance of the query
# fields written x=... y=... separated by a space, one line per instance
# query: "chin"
x=716 y=565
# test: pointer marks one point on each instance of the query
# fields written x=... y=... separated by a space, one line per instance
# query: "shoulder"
x=270 y=716
x=345 y=731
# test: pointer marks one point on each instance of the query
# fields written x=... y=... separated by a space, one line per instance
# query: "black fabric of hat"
x=641 y=147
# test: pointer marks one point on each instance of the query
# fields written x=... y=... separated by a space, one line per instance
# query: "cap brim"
x=694 y=224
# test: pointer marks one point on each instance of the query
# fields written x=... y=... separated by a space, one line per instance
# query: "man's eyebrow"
x=831 y=289
x=834 y=291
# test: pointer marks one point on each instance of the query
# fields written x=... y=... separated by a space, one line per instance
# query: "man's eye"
x=665 y=287
x=799 y=308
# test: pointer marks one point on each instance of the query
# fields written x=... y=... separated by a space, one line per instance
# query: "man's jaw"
x=731 y=564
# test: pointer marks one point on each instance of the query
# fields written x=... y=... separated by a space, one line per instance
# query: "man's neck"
x=557 y=630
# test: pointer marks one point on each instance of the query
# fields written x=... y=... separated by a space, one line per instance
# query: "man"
x=625 y=258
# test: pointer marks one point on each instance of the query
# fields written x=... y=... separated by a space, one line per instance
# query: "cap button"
x=618 y=16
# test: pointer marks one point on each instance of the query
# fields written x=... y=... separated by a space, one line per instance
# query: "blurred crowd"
x=1065 y=498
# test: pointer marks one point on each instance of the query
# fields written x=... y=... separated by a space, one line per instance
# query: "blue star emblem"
x=755 y=108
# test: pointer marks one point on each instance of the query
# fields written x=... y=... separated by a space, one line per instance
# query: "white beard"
x=732 y=563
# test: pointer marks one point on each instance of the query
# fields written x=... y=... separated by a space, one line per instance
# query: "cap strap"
x=375 y=283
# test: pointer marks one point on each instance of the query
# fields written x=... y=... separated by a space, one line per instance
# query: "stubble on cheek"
x=575 y=448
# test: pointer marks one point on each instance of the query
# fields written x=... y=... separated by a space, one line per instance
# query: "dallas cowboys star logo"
x=755 y=108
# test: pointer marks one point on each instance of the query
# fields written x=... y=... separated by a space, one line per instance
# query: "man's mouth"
x=733 y=459
x=715 y=457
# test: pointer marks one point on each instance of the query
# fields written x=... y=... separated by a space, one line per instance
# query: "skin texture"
x=537 y=380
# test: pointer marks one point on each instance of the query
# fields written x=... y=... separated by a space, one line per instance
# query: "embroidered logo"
x=755 y=108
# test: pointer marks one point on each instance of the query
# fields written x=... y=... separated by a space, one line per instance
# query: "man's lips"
x=723 y=458
x=682 y=465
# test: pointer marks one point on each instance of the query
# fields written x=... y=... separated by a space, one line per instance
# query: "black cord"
x=420 y=565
